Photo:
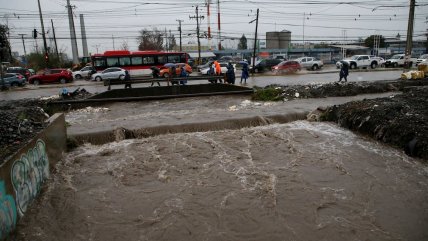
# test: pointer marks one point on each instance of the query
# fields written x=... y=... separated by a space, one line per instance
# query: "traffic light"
x=35 y=33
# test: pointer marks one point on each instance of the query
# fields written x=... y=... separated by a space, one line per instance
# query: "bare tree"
x=124 y=45
x=150 y=39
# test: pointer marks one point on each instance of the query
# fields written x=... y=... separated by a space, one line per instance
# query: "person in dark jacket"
x=344 y=71
x=245 y=72
x=183 y=74
x=155 y=74
x=230 y=74
x=127 y=80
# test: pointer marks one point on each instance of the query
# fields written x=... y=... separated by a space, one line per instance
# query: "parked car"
x=310 y=63
x=265 y=65
x=13 y=79
x=289 y=66
x=23 y=71
x=422 y=58
x=223 y=67
x=84 y=72
x=113 y=73
x=399 y=60
x=204 y=66
x=51 y=76
x=164 y=72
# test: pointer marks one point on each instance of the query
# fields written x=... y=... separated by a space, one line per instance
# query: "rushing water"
x=296 y=181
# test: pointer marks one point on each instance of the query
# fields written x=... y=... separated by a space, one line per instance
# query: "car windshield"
x=396 y=57
x=355 y=57
x=424 y=56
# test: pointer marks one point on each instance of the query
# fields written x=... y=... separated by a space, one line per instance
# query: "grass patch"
x=268 y=94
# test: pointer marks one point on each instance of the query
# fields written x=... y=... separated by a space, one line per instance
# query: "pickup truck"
x=398 y=60
x=363 y=61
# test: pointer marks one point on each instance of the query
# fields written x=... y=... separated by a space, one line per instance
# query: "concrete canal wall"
x=23 y=174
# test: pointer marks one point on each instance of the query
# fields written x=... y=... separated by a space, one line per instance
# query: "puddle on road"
x=295 y=181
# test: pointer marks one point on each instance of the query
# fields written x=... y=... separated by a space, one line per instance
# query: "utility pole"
x=112 y=37
x=56 y=45
x=304 y=17
x=197 y=32
x=74 y=49
x=409 y=42
x=83 y=33
x=43 y=35
x=255 y=42
x=23 y=43
x=218 y=23
x=179 y=29
x=208 y=3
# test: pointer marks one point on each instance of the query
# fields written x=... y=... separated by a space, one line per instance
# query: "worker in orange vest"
x=217 y=69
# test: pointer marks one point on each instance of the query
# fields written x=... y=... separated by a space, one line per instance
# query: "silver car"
x=84 y=72
x=113 y=73
x=12 y=79
x=310 y=63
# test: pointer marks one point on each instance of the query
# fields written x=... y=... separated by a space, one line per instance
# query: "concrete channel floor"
x=191 y=111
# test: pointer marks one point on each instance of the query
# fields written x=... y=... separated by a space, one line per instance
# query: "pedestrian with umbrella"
x=230 y=74
x=171 y=72
x=344 y=71
x=155 y=74
x=245 y=71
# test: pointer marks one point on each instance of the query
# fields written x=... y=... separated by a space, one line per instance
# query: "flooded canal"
x=295 y=181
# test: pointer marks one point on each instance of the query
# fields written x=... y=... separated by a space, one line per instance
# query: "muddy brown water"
x=295 y=181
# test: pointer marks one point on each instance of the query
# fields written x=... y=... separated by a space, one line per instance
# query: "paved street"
x=327 y=75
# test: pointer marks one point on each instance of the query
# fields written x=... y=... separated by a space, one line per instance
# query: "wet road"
x=297 y=181
x=303 y=77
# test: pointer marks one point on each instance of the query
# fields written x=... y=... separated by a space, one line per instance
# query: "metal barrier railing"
x=169 y=81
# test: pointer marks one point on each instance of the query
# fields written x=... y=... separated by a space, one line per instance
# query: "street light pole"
x=255 y=42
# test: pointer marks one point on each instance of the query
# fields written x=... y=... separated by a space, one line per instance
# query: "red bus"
x=137 y=63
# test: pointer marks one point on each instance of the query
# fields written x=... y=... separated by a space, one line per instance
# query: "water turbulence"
x=295 y=181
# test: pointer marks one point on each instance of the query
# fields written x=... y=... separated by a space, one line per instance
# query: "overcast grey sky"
x=325 y=20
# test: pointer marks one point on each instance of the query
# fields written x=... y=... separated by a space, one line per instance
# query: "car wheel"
x=315 y=67
x=122 y=77
x=14 y=84
x=166 y=75
x=36 y=82
x=353 y=66
x=78 y=76
x=98 y=78
x=395 y=65
x=62 y=81
x=373 y=65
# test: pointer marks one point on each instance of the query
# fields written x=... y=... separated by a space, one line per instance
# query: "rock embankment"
x=400 y=120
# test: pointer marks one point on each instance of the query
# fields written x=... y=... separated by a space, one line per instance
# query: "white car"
x=422 y=58
x=84 y=72
x=223 y=67
x=110 y=73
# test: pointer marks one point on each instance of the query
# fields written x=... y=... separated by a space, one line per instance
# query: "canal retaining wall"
x=23 y=174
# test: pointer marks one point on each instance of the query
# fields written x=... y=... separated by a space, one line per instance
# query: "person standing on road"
x=127 y=80
x=183 y=74
x=344 y=71
x=217 y=69
x=230 y=73
x=155 y=74
x=245 y=72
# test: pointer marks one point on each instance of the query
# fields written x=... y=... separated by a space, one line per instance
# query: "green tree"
x=150 y=39
x=369 y=42
x=4 y=44
x=242 y=42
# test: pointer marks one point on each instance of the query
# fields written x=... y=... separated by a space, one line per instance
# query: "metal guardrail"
x=110 y=82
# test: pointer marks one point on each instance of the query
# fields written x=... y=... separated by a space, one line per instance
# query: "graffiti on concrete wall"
x=7 y=212
x=28 y=173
